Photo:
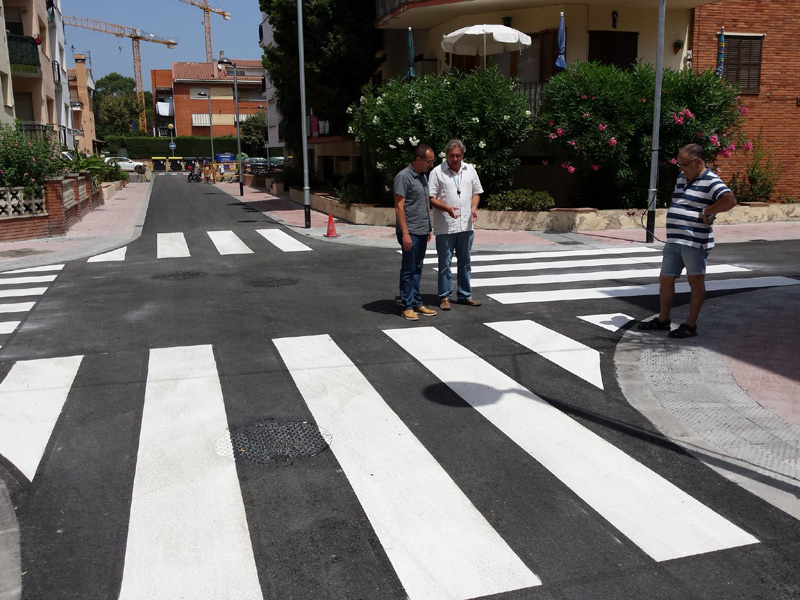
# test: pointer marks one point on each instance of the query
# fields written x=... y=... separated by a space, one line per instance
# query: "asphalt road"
x=439 y=481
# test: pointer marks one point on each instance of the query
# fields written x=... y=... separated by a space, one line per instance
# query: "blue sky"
x=164 y=18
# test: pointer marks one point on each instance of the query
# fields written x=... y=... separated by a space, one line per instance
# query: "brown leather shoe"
x=469 y=302
x=445 y=304
x=409 y=315
x=425 y=311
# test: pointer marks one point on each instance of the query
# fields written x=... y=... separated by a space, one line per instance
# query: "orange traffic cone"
x=331 y=227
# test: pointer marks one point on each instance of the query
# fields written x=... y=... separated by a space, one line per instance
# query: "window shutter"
x=743 y=62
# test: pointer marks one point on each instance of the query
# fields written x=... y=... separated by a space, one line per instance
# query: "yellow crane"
x=136 y=35
x=207 y=21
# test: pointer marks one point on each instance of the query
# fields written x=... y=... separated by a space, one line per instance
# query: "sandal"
x=684 y=331
x=654 y=325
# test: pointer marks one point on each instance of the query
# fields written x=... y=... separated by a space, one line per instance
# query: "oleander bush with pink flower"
x=26 y=162
x=597 y=120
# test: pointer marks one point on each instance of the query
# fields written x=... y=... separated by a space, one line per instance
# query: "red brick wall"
x=774 y=111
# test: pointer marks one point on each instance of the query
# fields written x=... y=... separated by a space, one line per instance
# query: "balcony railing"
x=35 y=130
x=23 y=54
x=533 y=90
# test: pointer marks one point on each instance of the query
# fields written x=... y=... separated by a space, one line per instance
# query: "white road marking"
x=22 y=292
x=283 y=240
x=112 y=256
x=35 y=269
x=664 y=521
x=187 y=532
x=8 y=326
x=16 y=307
x=27 y=280
x=559 y=349
x=172 y=245
x=439 y=544
x=228 y=242
x=611 y=321
x=31 y=399
x=591 y=276
x=478 y=257
x=566 y=264
x=635 y=290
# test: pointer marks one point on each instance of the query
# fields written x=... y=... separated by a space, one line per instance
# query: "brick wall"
x=774 y=111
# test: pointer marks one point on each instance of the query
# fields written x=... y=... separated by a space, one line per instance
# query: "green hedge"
x=148 y=147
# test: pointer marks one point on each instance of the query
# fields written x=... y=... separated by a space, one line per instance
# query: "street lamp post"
x=171 y=142
x=210 y=128
x=227 y=61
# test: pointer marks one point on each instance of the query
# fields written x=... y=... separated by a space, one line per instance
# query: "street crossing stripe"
x=559 y=349
x=476 y=257
x=283 y=240
x=438 y=542
x=566 y=264
x=187 y=532
x=27 y=280
x=16 y=307
x=112 y=256
x=31 y=398
x=228 y=242
x=8 y=326
x=35 y=269
x=664 y=521
x=611 y=321
x=591 y=276
x=635 y=290
x=22 y=292
x=172 y=245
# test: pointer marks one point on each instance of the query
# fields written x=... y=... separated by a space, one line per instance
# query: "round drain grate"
x=273 y=282
x=181 y=275
x=269 y=440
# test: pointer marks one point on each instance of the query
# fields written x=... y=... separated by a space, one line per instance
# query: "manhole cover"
x=181 y=275
x=273 y=282
x=269 y=440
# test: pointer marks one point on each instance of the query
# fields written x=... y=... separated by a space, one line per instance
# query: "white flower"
x=481 y=144
x=379 y=101
x=506 y=117
x=413 y=141
x=363 y=99
x=392 y=146
x=375 y=119
x=400 y=141
x=349 y=110
x=380 y=165
x=417 y=107
x=527 y=113
x=350 y=129
x=442 y=155
x=476 y=120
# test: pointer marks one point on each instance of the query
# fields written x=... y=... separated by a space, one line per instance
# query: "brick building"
x=761 y=40
x=179 y=92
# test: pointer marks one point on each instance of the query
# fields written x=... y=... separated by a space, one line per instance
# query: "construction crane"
x=136 y=35
x=207 y=21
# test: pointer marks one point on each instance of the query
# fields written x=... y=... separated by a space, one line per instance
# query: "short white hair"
x=455 y=143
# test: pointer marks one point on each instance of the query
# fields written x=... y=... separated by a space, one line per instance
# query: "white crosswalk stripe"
x=188 y=530
x=226 y=243
x=9 y=280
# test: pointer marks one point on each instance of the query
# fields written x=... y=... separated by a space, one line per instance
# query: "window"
x=743 y=61
x=620 y=48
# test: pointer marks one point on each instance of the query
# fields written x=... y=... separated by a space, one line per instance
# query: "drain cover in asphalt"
x=273 y=282
x=181 y=275
x=270 y=440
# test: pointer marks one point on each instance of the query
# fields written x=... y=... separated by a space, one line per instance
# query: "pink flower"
x=571 y=143
x=564 y=165
x=743 y=110
x=602 y=127
x=714 y=139
x=583 y=97
x=732 y=147
x=612 y=142
x=678 y=120
x=725 y=152
x=701 y=134
x=595 y=167
x=594 y=97
x=552 y=136
x=644 y=99
x=585 y=115
x=544 y=163
x=551 y=122
x=672 y=161
x=570 y=169
x=748 y=146
x=560 y=131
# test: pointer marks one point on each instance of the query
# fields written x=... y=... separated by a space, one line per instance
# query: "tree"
x=115 y=84
x=116 y=106
x=254 y=133
x=340 y=46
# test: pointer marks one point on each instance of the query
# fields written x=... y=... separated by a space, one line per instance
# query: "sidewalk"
x=732 y=401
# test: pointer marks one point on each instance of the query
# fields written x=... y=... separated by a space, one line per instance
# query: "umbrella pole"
x=484 y=51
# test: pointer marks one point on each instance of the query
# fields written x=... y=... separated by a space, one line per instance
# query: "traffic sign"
x=172 y=145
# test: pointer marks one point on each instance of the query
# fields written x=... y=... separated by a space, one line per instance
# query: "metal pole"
x=301 y=56
x=238 y=136
x=211 y=133
x=651 y=202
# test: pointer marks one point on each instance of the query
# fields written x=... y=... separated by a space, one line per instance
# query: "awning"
x=200 y=120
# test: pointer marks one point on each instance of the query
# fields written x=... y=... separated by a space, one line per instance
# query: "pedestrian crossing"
x=528 y=277
x=226 y=243
x=20 y=290
x=189 y=528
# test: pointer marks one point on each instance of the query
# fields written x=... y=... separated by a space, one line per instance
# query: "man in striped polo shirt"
x=699 y=195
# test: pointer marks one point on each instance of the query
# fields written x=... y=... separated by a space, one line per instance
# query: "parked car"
x=125 y=163
x=256 y=165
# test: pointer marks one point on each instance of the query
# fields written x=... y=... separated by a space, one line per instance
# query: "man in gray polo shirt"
x=413 y=217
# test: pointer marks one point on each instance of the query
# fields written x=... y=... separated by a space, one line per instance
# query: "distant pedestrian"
x=698 y=197
x=413 y=228
x=455 y=184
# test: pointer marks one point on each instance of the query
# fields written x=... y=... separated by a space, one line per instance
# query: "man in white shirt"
x=455 y=184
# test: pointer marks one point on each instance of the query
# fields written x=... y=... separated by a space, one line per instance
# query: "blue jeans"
x=411 y=270
x=446 y=243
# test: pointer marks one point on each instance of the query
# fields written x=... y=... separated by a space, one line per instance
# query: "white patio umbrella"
x=485 y=39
